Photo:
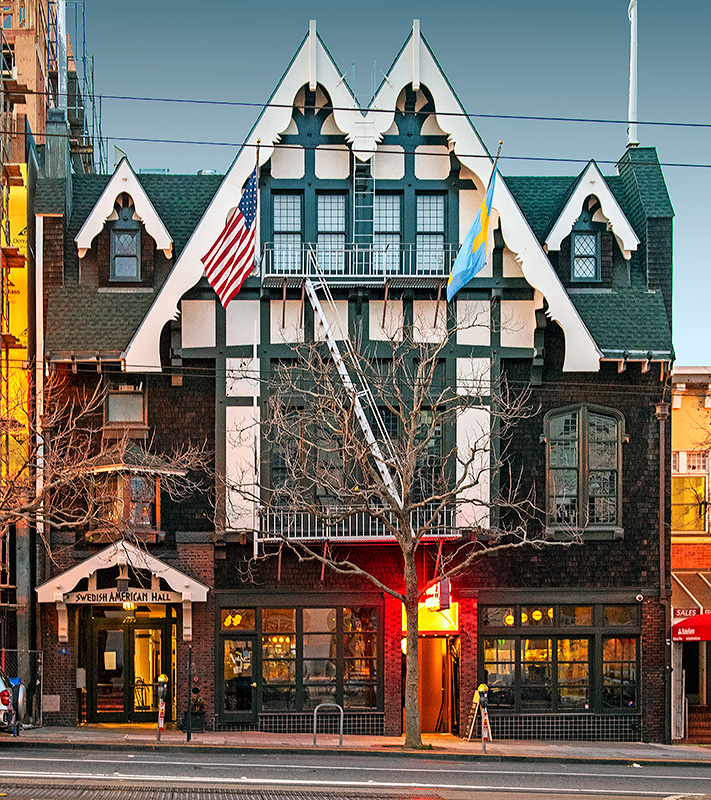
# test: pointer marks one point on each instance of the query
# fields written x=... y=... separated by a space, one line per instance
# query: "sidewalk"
x=445 y=746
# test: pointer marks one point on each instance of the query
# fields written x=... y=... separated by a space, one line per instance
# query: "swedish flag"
x=472 y=256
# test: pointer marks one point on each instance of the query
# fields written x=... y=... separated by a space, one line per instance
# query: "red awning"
x=693 y=629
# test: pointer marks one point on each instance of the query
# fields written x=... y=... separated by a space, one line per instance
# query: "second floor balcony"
x=286 y=523
x=420 y=264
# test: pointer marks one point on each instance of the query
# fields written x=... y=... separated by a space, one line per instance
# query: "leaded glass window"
x=584 y=461
x=585 y=257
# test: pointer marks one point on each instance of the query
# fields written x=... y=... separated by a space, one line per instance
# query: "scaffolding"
x=87 y=145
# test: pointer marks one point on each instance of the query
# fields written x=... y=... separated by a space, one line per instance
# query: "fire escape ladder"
x=359 y=391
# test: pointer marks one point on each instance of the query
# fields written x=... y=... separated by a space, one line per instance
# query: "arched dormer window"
x=584 y=468
x=585 y=244
x=125 y=242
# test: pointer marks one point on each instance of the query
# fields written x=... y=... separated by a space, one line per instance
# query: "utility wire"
x=523 y=117
x=339 y=148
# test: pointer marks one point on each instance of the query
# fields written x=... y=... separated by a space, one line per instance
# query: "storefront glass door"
x=240 y=687
x=128 y=655
x=109 y=661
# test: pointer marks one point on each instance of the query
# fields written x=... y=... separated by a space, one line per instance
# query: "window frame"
x=589 y=530
x=125 y=224
x=302 y=681
x=291 y=265
x=597 y=631
x=682 y=469
x=585 y=226
x=426 y=255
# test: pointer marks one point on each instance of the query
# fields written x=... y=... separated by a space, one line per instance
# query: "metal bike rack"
x=334 y=705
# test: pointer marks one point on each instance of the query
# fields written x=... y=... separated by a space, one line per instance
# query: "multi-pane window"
x=619 y=672
x=320 y=656
x=125 y=255
x=306 y=656
x=586 y=257
x=430 y=233
x=331 y=238
x=584 y=461
x=583 y=658
x=689 y=501
x=386 y=233
x=360 y=650
x=287 y=232
x=278 y=658
x=430 y=463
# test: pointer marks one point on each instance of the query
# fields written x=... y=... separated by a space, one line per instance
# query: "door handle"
x=254 y=685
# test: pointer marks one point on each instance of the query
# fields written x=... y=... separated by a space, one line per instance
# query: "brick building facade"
x=569 y=637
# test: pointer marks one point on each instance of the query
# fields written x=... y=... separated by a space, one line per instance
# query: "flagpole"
x=256 y=384
x=496 y=161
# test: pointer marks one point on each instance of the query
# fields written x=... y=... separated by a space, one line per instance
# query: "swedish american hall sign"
x=114 y=596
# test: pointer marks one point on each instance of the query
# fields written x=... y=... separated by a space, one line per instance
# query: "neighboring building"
x=578 y=292
x=691 y=551
x=29 y=85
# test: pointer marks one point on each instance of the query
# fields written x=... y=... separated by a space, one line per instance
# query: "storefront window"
x=576 y=615
x=540 y=616
x=320 y=656
x=305 y=657
x=536 y=672
x=558 y=669
x=573 y=673
x=500 y=671
x=278 y=658
x=619 y=672
x=237 y=619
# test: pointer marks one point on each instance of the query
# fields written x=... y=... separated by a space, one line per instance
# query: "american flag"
x=230 y=259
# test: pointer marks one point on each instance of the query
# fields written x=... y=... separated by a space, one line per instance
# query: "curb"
x=444 y=755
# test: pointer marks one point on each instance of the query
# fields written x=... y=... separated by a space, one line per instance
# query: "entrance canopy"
x=60 y=589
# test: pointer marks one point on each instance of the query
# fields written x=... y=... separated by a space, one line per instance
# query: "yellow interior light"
x=509 y=619
x=537 y=615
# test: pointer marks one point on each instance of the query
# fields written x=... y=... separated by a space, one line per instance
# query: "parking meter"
x=483 y=691
x=162 y=694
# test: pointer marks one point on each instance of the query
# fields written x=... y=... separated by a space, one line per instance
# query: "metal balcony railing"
x=301 y=526
x=358 y=261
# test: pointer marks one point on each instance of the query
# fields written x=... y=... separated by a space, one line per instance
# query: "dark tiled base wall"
x=565 y=727
x=353 y=724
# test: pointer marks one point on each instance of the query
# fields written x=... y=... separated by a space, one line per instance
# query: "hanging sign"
x=115 y=597
x=437 y=596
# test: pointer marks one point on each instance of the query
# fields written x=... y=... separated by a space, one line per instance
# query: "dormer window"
x=585 y=244
x=125 y=243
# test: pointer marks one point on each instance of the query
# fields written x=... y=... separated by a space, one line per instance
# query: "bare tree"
x=55 y=463
x=428 y=476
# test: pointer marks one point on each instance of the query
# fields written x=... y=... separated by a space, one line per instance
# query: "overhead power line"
x=324 y=147
x=522 y=117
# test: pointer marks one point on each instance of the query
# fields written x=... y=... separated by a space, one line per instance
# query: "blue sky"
x=509 y=57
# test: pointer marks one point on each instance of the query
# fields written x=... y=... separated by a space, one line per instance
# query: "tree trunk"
x=413 y=738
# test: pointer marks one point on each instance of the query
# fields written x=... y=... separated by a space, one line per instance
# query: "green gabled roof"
x=83 y=319
x=179 y=200
x=542 y=198
x=625 y=318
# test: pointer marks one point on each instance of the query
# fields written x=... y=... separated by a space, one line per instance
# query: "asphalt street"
x=142 y=774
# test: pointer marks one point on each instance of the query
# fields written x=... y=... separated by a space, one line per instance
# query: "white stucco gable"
x=593 y=182
x=313 y=65
x=124 y=179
